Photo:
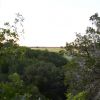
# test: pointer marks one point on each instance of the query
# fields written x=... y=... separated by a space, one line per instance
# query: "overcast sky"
x=50 y=22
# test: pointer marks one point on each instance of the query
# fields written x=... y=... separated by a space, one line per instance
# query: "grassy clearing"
x=51 y=49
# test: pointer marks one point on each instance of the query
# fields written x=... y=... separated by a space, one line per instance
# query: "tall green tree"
x=86 y=53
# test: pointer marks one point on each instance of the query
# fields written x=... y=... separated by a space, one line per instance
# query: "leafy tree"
x=9 y=33
x=48 y=78
x=52 y=57
x=86 y=52
x=13 y=89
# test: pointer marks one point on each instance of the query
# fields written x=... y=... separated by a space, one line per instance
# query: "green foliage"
x=40 y=76
x=9 y=33
x=27 y=74
x=52 y=57
x=13 y=89
x=80 y=96
x=47 y=77
x=83 y=74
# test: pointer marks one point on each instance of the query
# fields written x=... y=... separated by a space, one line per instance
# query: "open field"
x=51 y=49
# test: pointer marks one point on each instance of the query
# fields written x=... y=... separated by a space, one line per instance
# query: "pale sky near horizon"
x=50 y=22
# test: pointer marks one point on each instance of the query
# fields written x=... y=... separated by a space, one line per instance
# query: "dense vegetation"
x=36 y=71
x=27 y=74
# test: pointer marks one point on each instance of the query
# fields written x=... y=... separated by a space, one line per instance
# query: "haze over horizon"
x=50 y=22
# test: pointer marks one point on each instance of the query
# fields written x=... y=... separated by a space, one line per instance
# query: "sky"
x=50 y=22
